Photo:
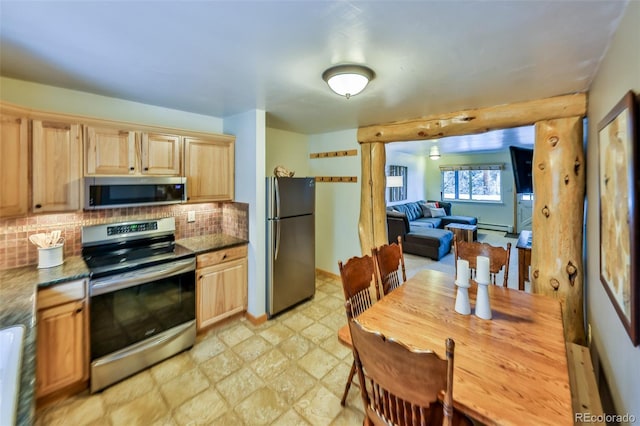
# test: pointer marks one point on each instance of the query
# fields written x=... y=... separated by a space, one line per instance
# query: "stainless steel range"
x=142 y=297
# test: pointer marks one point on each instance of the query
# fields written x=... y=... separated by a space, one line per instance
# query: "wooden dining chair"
x=390 y=270
x=401 y=386
x=356 y=274
x=498 y=258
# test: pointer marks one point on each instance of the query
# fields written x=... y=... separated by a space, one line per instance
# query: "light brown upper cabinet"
x=109 y=151
x=57 y=166
x=209 y=168
x=112 y=151
x=14 y=165
x=161 y=154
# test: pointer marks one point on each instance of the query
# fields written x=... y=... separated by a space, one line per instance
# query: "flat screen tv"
x=521 y=160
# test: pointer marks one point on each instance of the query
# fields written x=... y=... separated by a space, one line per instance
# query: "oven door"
x=130 y=307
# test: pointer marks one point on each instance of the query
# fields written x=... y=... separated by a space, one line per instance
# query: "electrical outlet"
x=191 y=216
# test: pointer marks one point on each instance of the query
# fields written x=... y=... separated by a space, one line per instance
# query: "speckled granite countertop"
x=18 y=289
x=205 y=243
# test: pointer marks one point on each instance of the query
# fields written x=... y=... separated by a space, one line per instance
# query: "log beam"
x=372 y=226
x=478 y=120
x=558 y=212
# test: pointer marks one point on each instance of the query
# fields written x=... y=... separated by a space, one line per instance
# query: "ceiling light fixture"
x=434 y=152
x=348 y=80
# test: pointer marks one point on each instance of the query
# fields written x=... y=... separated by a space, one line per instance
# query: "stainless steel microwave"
x=114 y=192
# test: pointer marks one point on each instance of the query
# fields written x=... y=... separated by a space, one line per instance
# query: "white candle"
x=482 y=269
x=463 y=271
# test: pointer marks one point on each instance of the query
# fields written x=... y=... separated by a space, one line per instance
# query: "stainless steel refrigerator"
x=290 y=242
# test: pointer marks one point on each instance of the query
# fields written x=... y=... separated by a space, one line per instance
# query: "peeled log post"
x=372 y=226
x=559 y=186
x=365 y=223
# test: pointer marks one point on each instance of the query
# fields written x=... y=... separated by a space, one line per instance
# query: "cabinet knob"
x=132 y=168
x=78 y=310
x=146 y=169
x=37 y=206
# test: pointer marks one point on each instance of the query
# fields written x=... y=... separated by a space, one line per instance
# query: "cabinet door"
x=209 y=169
x=57 y=166
x=221 y=291
x=109 y=152
x=61 y=347
x=14 y=166
x=161 y=154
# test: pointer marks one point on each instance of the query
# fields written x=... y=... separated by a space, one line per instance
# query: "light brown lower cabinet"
x=221 y=288
x=62 y=357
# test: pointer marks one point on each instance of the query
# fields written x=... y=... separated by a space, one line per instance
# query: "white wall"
x=491 y=213
x=250 y=130
x=54 y=99
x=287 y=149
x=416 y=165
x=619 y=359
x=337 y=204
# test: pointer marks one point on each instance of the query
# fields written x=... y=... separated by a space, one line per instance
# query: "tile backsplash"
x=16 y=250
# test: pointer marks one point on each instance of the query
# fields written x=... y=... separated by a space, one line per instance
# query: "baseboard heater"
x=495 y=227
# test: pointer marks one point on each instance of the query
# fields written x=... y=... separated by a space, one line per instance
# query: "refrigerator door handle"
x=277 y=242
x=277 y=194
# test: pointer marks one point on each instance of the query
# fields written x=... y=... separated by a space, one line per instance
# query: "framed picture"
x=618 y=183
x=397 y=183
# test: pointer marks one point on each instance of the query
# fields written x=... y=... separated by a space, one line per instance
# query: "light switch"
x=191 y=216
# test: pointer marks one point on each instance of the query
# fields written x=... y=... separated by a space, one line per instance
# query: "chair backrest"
x=357 y=274
x=390 y=270
x=402 y=385
x=498 y=257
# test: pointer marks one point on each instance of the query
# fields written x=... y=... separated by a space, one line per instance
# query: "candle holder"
x=483 y=306
x=463 y=306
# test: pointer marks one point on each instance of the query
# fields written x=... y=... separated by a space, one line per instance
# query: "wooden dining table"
x=509 y=370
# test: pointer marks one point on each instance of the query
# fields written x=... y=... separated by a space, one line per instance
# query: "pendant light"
x=434 y=152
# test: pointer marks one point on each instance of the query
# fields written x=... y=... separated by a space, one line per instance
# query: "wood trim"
x=256 y=320
x=337 y=179
x=64 y=393
x=478 y=120
x=321 y=273
x=330 y=154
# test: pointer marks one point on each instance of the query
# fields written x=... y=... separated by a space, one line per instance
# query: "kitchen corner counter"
x=18 y=288
x=211 y=242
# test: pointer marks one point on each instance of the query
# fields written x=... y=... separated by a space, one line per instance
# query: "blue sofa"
x=424 y=236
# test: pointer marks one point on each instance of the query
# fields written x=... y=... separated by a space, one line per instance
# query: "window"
x=472 y=183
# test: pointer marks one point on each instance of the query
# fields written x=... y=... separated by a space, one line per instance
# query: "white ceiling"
x=222 y=58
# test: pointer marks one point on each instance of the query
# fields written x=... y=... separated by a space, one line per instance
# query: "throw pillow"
x=426 y=212
x=437 y=212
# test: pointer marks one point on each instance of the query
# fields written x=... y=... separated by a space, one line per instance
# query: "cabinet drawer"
x=218 y=256
x=61 y=293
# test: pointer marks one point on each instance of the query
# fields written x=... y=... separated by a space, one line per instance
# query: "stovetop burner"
x=112 y=248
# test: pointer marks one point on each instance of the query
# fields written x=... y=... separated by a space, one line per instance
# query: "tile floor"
x=288 y=371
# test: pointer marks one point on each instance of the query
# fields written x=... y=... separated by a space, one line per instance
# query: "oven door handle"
x=129 y=279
